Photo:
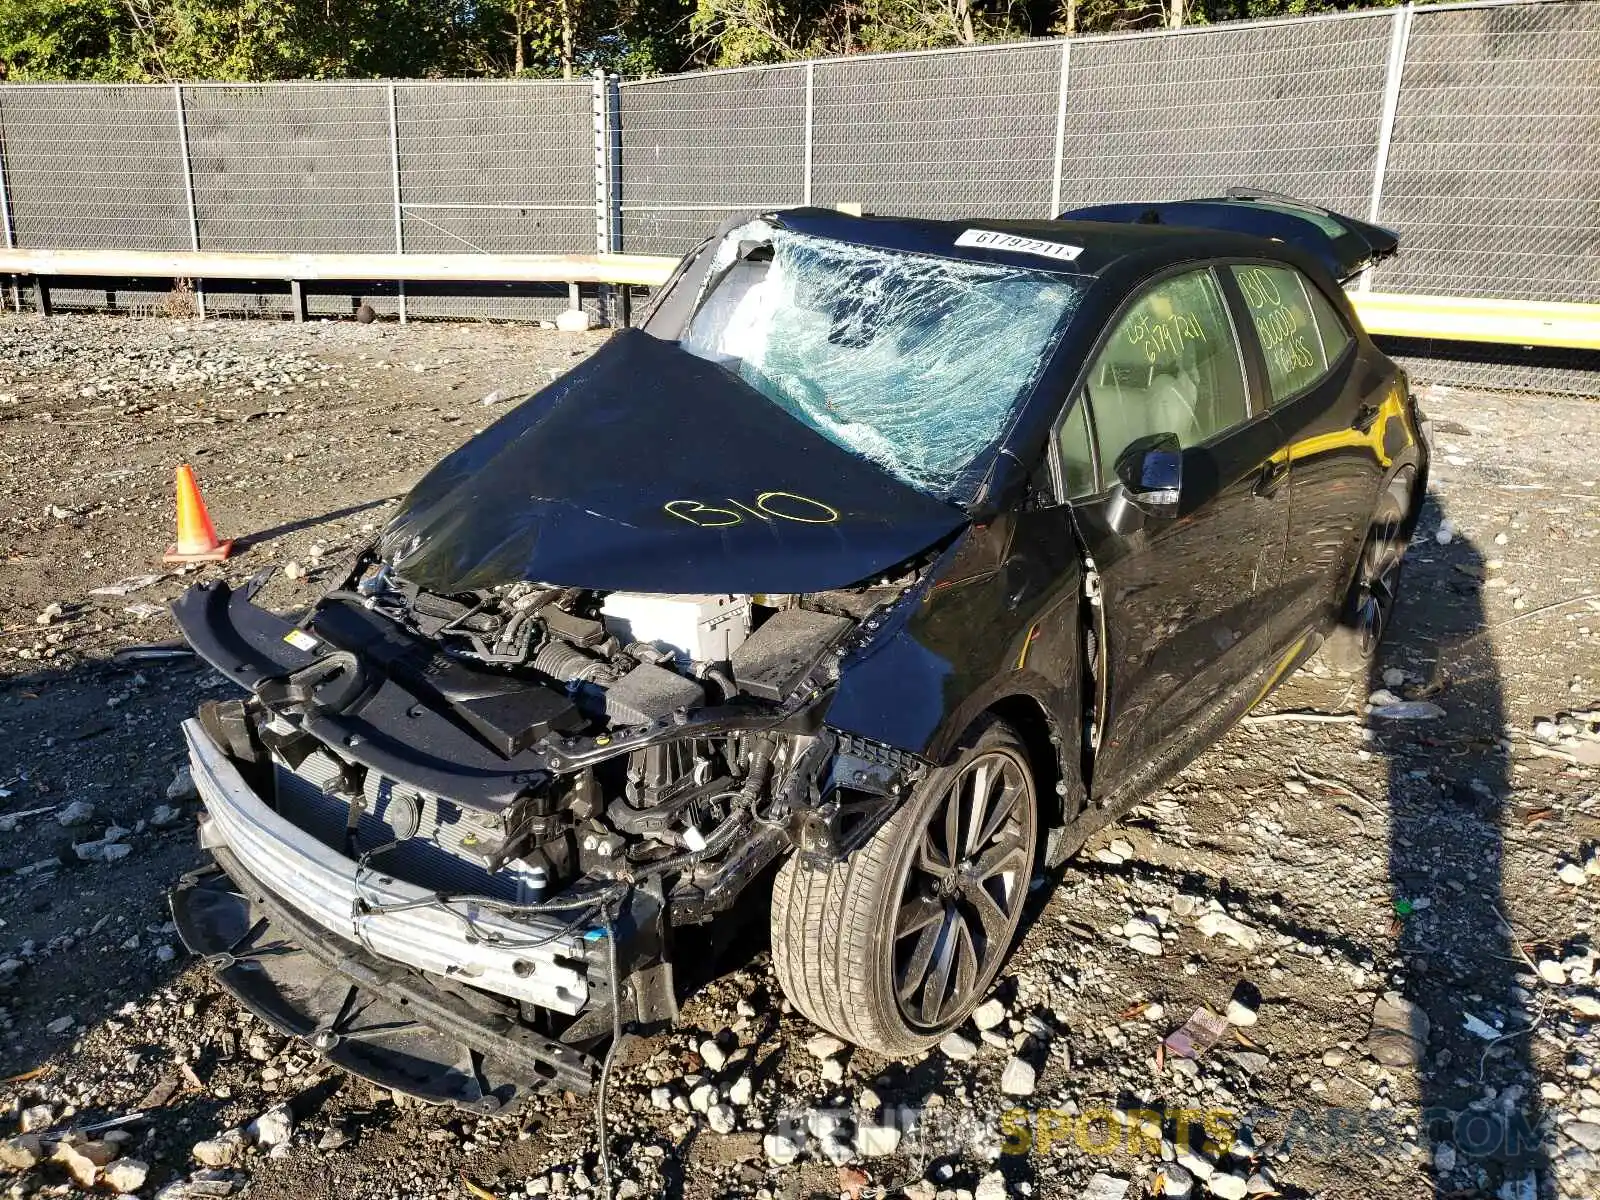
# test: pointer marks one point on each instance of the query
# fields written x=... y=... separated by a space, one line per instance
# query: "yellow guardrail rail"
x=1468 y=319
x=1452 y=318
x=646 y=270
x=299 y=269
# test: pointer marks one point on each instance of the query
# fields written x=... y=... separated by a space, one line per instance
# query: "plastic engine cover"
x=693 y=629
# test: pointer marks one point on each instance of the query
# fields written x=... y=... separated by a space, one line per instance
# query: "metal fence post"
x=394 y=179
x=7 y=229
x=623 y=293
x=811 y=85
x=5 y=198
x=188 y=189
x=602 y=188
x=1399 y=39
x=1061 y=129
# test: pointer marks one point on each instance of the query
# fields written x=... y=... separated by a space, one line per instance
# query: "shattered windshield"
x=914 y=362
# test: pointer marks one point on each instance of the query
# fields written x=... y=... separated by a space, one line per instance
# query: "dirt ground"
x=1399 y=905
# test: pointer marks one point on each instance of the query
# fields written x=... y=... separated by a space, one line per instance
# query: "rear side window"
x=1301 y=334
x=1171 y=366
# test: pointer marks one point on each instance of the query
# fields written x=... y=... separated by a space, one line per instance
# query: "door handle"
x=1366 y=416
x=1273 y=473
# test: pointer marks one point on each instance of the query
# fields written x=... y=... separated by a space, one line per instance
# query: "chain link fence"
x=696 y=147
x=1474 y=129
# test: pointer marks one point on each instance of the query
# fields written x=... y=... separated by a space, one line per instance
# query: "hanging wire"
x=602 y=1127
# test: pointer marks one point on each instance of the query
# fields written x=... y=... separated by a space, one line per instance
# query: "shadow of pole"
x=1456 y=958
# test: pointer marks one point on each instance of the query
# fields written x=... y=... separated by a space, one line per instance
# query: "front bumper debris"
x=310 y=942
x=371 y=1018
x=542 y=960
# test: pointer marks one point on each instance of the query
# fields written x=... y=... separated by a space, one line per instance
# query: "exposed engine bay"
x=545 y=668
x=560 y=762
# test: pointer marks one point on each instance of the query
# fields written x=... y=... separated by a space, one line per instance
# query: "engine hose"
x=744 y=801
x=516 y=636
x=755 y=780
x=720 y=837
x=569 y=664
x=720 y=677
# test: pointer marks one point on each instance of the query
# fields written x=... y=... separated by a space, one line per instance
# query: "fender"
x=993 y=627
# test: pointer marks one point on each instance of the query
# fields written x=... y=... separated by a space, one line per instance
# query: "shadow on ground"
x=1458 y=960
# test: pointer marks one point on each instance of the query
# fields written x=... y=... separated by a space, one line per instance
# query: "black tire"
x=1369 y=604
x=843 y=939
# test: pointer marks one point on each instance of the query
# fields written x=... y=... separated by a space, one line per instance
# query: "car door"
x=1332 y=412
x=1183 y=618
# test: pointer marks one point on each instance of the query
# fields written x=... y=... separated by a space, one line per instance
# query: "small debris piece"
x=1243 y=1006
x=1018 y=1078
x=21 y=1152
x=123 y=587
x=824 y=1045
x=1407 y=710
x=958 y=1048
x=1399 y=1032
x=126 y=1175
x=1107 y=1187
x=713 y=1055
x=79 y=812
x=877 y=1141
x=1196 y=1035
x=781 y=1149
x=1214 y=923
x=989 y=1014
x=272 y=1128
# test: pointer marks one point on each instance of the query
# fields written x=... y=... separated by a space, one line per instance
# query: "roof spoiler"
x=1345 y=245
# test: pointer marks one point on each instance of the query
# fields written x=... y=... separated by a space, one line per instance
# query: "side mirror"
x=1151 y=473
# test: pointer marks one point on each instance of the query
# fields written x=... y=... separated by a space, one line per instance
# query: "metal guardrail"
x=297 y=269
x=1450 y=318
x=1542 y=323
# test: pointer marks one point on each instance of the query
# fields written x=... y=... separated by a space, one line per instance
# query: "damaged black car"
x=883 y=564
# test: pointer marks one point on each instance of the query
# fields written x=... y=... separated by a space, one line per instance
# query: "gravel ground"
x=1381 y=924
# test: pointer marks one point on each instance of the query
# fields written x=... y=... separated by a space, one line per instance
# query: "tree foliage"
x=248 y=40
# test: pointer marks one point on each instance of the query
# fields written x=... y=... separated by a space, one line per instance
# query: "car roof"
x=1100 y=246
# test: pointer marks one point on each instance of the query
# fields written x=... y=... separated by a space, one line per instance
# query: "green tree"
x=64 y=39
x=737 y=32
x=323 y=39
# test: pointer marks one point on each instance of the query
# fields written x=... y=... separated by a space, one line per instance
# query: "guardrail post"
x=394 y=179
x=187 y=166
x=1061 y=130
x=1399 y=39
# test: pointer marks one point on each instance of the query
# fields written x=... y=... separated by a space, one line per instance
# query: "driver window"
x=1172 y=365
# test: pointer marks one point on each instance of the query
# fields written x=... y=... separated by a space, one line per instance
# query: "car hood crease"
x=649 y=469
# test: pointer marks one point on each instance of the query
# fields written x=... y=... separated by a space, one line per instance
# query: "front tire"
x=894 y=946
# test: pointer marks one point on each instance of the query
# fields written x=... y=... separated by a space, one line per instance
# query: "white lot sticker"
x=301 y=640
x=989 y=239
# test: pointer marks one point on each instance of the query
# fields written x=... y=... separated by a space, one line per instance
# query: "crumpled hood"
x=648 y=469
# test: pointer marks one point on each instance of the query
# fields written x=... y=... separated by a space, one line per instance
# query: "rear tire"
x=894 y=946
x=1369 y=604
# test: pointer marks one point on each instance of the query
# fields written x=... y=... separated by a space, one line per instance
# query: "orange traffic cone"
x=197 y=540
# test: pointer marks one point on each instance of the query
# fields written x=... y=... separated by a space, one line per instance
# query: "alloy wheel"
x=964 y=889
x=1378 y=580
